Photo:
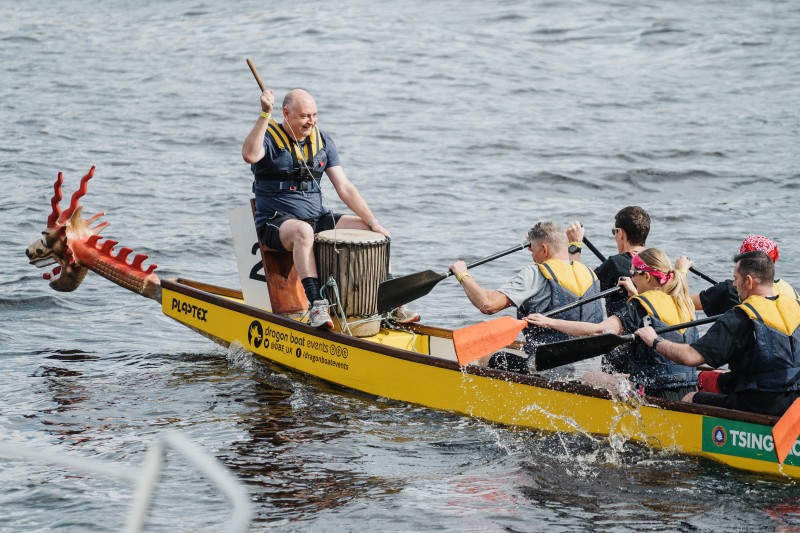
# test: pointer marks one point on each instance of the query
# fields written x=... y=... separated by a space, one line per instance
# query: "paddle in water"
x=475 y=341
x=399 y=291
x=573 y=350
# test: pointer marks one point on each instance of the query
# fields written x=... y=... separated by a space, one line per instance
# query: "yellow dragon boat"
x=415 y=364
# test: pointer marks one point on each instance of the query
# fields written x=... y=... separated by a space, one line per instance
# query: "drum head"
x=350 y=235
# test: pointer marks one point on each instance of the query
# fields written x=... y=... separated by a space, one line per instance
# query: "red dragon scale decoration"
x=77 y=248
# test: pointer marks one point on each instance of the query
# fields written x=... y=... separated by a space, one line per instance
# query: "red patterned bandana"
x=760 y=243
x=662 y=277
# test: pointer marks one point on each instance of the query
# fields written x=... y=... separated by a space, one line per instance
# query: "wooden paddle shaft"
x=255 y=74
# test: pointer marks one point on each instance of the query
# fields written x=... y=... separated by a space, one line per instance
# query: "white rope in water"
x=145 y=480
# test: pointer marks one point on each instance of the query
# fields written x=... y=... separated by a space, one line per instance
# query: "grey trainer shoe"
x=404 y=315
x=318 y=316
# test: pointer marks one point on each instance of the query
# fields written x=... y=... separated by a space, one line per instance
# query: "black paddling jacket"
x=644 y=364
x=773 y=365
x=568 y=282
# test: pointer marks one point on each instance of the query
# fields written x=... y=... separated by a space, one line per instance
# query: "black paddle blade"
x=398 y=291
x=571 y=351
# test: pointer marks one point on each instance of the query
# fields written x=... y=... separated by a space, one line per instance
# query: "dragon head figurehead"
x=73 y=244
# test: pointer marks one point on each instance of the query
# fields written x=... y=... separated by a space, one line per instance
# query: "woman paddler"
x=656 y=290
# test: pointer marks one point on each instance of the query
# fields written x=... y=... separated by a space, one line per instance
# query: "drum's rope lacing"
x=330 y=291
x=336 y=305
x=335 y=302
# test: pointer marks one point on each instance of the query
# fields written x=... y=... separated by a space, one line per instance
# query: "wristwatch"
x=656 y=341
x=574 y=248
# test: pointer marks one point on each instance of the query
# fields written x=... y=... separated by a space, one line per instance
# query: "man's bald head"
x=297 y=97
x=299 y=114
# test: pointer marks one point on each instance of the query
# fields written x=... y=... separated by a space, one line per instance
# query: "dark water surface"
x=462 y=123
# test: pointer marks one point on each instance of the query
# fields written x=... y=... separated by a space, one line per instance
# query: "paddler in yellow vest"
x=721 y=297
x=552 y=281
x=759 y=340
x=657 y=291
x=288 y=160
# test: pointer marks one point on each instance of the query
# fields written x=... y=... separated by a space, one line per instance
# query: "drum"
x=358 y=261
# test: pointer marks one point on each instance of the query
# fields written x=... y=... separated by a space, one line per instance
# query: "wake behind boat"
x=415 y=363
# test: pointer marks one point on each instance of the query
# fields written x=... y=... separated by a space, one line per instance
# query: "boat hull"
x=419 y=366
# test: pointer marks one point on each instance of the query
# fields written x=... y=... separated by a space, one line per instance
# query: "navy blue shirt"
x=301 y=204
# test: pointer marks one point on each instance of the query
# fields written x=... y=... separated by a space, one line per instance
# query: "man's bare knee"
x=296 y=234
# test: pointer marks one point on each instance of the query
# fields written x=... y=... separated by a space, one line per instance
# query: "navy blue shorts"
x=269 y=234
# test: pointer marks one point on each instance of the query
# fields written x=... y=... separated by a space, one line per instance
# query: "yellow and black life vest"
x=284 y=142
x=782 y=287
x=306 y=161
x=568 y=282
x=644 y=364
x=662 y=307
x=774 y=363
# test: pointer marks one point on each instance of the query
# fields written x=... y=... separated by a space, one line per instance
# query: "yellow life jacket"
x=661 y=305
x=783 y=288
x=781 y=314
x=568 y=281
x=773 y=365
x=574 y=276
x=644 y=364
x=284 y=142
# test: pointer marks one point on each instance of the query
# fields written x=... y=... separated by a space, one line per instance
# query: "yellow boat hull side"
x=333 y=358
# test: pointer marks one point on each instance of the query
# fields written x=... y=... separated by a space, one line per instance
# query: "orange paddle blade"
x=473 y=342
x=786 y=431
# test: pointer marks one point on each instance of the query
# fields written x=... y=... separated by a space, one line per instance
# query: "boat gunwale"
x=212 y=294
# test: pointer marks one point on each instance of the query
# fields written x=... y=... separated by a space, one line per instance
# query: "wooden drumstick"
x=255 y=74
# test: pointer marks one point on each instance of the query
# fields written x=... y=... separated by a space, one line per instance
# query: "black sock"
x=312 y=287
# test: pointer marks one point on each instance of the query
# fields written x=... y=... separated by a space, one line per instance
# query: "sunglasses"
x=634 y=272
x=615 y=230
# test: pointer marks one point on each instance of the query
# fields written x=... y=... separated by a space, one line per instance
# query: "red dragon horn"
x=54 y=201
x=77 y=195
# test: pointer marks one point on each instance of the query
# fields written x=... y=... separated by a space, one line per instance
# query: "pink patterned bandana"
x=759 y=243
x=662 y=277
